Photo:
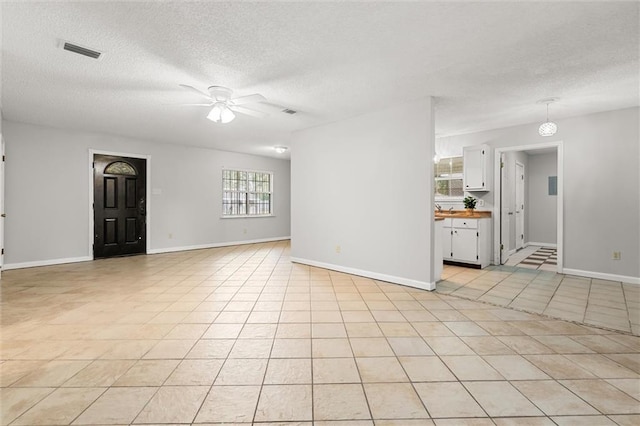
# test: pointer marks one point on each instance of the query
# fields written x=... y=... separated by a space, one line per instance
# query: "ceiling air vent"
x=289 y=111
x=81 y=50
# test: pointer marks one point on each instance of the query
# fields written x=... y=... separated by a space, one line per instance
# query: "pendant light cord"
x=547 y=112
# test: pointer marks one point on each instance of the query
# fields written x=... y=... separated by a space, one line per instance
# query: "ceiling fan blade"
x=247 y=111
x=273 y=107
x=249 y=99
x=193 y=89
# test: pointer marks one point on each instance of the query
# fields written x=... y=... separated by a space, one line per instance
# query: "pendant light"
x=548 y=128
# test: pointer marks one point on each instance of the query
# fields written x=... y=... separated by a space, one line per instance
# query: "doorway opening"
x=528 y=212
x=119 y=214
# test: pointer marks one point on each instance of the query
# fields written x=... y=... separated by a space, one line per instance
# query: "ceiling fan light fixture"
x=548 y=128
x=220 y=113
x=281 y=149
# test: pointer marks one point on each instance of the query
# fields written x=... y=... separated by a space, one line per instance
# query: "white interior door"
x=505 y=202
x=519 y=205
x=1 y=204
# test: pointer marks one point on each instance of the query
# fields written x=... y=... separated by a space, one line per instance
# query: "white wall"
x=601 y=177
x=542 y=211
x=366 y=185
x=47 y=194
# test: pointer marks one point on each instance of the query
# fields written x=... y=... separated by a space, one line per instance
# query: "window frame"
x=451 y=177
x=247 y=192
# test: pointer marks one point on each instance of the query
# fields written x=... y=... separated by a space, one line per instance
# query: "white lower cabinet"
x=466 y=241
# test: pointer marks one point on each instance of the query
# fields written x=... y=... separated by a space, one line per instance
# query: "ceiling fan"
x=224 y=105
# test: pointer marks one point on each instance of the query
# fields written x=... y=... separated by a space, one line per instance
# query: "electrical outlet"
x=338 y=249
x=170 y=235
x=616 y=255
x=480 y=203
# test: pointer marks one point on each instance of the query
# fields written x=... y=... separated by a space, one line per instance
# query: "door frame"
x=91 y=184
x=560 y=205
x=516 y=186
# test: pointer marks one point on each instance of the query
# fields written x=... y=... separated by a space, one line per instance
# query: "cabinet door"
x=474 y=168
x=464 y=245
x=446 y=243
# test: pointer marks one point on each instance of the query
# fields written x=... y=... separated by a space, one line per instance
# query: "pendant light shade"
x=548 y=128
x=220 y=113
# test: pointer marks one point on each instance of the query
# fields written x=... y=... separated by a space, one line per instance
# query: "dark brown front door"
x=119 y=207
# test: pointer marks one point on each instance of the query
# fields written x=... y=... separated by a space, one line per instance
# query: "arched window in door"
x=120 y=168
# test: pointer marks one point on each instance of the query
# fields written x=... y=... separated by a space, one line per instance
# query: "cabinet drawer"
x=446 y=222
x=465 y=223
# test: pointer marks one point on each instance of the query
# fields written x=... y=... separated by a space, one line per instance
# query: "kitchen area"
x=463 y=235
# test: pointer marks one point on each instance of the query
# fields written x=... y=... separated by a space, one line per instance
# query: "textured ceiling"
x=485 y=63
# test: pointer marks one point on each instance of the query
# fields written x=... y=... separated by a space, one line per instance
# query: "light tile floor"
x=609 y=304
x=240 y=335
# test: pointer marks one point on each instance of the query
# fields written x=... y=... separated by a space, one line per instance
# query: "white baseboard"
x=48 y=262
x=550 y=245
x=215 y=245
x=369 y=274
x=602 y=276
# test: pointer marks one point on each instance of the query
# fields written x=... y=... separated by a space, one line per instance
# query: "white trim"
x=532 y=243
x=92 y=152
x=560 y=209
x=152 y=251
x=240 y=169
x=47 y=262
x=603 y=276
x=216 y=245
x=375 y=275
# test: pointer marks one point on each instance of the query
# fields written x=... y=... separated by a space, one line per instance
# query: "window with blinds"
x=246 y=193
x=448 y=179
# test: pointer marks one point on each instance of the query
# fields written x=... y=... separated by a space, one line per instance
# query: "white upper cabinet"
x=477 y=168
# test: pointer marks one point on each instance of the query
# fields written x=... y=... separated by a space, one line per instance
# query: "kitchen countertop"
x=438 y=218
x=463 y=214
